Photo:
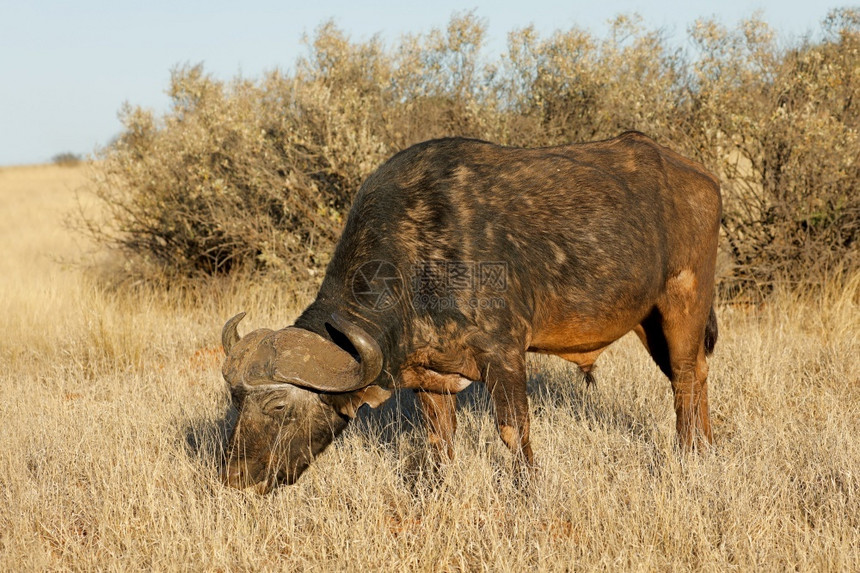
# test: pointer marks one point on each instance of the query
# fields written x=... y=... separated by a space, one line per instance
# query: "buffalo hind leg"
x=440 y=416
x=690 y=389
x=675 y=339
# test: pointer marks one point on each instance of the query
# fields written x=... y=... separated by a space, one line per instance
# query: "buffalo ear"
x=348 y=404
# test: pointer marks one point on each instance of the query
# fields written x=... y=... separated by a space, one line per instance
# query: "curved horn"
x=230 y=334
x=368 y=349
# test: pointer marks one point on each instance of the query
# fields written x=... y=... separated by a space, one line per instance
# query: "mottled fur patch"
x=595 y=240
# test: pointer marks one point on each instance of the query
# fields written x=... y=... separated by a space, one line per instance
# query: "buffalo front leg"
x=440 y=417
x=506 y=381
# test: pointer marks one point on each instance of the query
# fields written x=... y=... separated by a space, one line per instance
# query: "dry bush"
x=782 y=128
x=66 y=159
x=211 y=189
x=574 y=87
x=259 y=174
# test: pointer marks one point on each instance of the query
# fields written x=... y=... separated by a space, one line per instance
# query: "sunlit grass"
x=113 y=409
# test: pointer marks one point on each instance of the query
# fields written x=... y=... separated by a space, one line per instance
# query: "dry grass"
x=113 y=409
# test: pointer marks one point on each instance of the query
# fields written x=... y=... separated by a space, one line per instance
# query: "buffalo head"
x=295 y=391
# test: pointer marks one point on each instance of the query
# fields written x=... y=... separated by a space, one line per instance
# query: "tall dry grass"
x=113 y=410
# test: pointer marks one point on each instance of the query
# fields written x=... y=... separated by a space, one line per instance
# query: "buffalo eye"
x=277 y=409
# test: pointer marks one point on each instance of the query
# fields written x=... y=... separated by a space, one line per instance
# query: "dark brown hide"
x=491 y=252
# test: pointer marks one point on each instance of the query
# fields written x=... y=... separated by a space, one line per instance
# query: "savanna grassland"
x=112 y=301
x=114 y=409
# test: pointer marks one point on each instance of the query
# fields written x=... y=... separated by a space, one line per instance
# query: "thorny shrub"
x=258 y=174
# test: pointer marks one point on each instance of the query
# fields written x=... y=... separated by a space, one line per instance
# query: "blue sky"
x=67 y=67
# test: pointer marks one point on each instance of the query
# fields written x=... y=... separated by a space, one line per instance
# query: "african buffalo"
x=457 y=258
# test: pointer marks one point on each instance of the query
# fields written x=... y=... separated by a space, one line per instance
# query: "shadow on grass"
x=206 y=440
x=398 y=427
x=565 y=389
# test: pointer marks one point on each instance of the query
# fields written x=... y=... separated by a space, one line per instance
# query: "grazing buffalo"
x=457 y=258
